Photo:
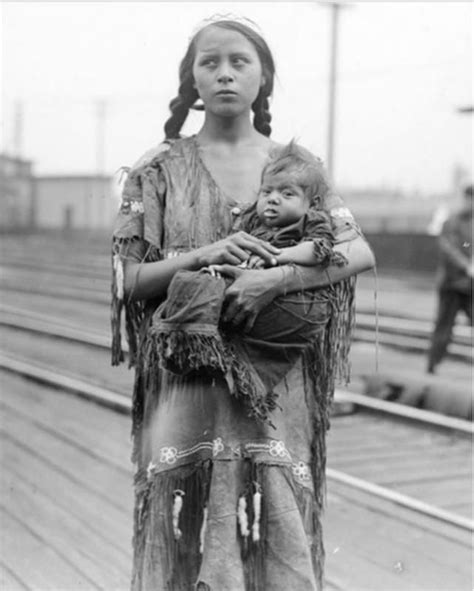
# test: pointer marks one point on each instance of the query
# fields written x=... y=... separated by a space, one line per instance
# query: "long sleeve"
x=137 y=237
x=449 y=243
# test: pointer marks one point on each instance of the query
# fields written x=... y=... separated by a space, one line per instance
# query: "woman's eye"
x=208 y=63
x=239 y=61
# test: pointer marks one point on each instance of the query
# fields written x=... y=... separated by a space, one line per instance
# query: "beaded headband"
x=228 y=16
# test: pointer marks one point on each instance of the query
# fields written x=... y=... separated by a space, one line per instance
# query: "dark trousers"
x=449 y=304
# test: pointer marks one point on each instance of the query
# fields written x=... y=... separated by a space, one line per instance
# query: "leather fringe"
x=183 y=352
x=253 y=546
x=162 y=559
x=245 y=384
x=168 y=535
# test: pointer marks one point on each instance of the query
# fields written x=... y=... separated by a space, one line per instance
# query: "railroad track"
x=44 y=325
x=445 y=430
x=404 y=334
x=387 y=459
x=415 y=421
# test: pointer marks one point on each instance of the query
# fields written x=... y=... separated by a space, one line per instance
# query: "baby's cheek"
x=260 y=206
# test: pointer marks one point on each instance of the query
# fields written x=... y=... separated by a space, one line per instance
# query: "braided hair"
x=188 y=95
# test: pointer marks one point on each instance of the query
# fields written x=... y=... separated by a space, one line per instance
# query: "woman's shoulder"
x=164 y=151
x=151 y=155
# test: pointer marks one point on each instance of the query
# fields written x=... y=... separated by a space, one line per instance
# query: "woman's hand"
x=236 y=249
x=250 y=292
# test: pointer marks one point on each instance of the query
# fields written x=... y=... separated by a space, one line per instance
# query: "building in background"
x=77 y=202
x=30 y=202
x=17 y=193
x=392 y=211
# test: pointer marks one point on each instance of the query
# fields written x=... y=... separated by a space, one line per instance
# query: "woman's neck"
x=228 y=130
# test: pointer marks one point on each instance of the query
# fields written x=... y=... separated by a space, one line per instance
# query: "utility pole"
x=18 y=125
x=101 y=114
x=335 y=8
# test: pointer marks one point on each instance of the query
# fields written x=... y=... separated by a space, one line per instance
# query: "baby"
x=187 y=333
x=288 y=211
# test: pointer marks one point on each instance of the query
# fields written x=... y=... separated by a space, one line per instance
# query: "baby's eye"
x=288 y=193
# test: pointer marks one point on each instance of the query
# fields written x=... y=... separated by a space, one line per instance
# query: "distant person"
x=455 y=284
x=440 y=215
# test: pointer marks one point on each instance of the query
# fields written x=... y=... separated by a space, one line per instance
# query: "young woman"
x=223 y=502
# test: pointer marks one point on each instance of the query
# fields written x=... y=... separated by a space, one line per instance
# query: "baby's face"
x=281 y=201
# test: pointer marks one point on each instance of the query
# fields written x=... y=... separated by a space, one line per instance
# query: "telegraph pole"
x=101 y=114
x=332 y=86
x=335 y=8
x=18 y=125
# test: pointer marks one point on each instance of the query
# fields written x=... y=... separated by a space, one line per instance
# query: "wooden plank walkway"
x=67 y=503
x=434 y=466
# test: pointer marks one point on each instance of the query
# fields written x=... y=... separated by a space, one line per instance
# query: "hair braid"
x=179 y=107
x=262 y=117
x=188 y=95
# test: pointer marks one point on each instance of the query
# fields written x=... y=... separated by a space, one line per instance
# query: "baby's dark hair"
x=308 y=170
x=188 y=95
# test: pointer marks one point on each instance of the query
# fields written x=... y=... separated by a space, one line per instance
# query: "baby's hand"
x=256 y=262
x=211 y=270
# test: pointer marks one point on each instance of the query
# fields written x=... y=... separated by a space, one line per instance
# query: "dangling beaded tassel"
x=177 y=506
x=149 y=471
x=202 y=533
x=243 y=518
x=257 y=511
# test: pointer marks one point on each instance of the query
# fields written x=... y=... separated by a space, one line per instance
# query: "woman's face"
x=227 y=71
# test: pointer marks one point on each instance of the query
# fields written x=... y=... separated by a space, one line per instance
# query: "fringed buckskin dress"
x=223 y=502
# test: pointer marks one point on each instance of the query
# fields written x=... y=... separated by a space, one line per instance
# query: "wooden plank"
x=108 y=522
x=86 y=314
x=11 y=581
x=72 y=417
x=39 y=565
x=46 y=277
x=447 y=535
x=441 y=491
x=88 y=516
x=428 y=475
x=70 y=358
x=60 y=530
x=399 y=499
x=465 y=509
x=396 y=552
x=390 y=471
x=405 y=412
x=400 y=457
x=395 y=432
x=406 y=439
x=63 y=456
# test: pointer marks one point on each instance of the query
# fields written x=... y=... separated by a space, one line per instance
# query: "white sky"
x=404 y=69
